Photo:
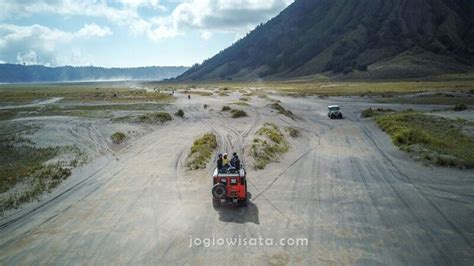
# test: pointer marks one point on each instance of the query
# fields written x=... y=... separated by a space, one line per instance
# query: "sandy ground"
x=343 y=186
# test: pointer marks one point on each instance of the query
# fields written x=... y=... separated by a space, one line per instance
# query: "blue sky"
x=125 y=33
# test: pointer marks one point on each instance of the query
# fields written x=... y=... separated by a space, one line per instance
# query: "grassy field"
x=13 y=94
x=433 y=139
x=335 y=88
x=78 y=99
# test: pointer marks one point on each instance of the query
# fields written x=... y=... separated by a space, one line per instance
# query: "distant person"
x=225 y=160
x=189 y=97
x=235 y=161
x=220 y=164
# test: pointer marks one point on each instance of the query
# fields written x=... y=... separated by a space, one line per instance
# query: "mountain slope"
x=393 y=38
x=38 y=73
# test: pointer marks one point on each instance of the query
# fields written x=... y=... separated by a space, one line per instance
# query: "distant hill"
x=380 y=39
x=38 y=73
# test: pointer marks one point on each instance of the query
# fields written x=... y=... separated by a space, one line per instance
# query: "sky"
x=125 y=33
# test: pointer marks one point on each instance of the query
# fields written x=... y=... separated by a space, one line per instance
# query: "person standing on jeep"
x=225 y=160
x=235 y=161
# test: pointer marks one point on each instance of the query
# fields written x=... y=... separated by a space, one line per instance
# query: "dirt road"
x=343 y=186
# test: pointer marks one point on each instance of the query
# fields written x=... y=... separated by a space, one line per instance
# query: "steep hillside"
x=364 y=38
x=37 y=73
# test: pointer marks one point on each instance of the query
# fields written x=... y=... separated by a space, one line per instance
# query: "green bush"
x=179 y=113
x=226 y=108
x=118 y=137
x=281 y=110
x=201 y=151
x=235 y=113
x=160 y=117
x=268 y=145
x=373 y=112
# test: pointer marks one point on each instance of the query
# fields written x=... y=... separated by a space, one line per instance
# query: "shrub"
x=201 y=151
x=373 y=112
x=118 y=137
x=238 y=113
x=179 y=113
x=268 y=145
x=226 y=108
x=282 y=110
x=155 y=117
x=367 y=113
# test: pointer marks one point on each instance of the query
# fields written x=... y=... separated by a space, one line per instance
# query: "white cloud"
x=93 y=30
x=237 y=16
x=37 y=44
x=135 y=4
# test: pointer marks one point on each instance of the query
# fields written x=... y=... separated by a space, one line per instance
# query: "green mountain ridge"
x=379 y=39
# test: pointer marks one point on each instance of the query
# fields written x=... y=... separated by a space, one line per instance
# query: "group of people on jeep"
x=224 y=164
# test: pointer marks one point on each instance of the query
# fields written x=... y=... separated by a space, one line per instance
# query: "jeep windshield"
x=334 y=108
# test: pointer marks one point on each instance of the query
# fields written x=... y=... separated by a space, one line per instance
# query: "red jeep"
x=230 y=186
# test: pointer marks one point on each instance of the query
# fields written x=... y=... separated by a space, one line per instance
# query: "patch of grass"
x=241 y=103
x=27 y=171
x=293 y=132
x=438 y=98
x=425 y=136
x=150 y=118
x=373 y=112
x=268 y=145
x=201 y=152
x=84 y=92
x=160 y=117
x=118 y=137
x=244 y=99
x=40 y=179
x=236 y=113
x=179 y=113
x=223 y=94
x=18 y=161
x=200 y=93
x=225 y=108
x=281 y=110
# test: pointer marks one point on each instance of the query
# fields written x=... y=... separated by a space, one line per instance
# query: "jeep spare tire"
x=219 y=191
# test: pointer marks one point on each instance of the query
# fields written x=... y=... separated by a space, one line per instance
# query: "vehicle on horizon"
x=334 y=112
x=229 y=187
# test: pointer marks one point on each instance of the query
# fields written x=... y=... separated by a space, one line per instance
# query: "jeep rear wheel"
x=219 y=191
